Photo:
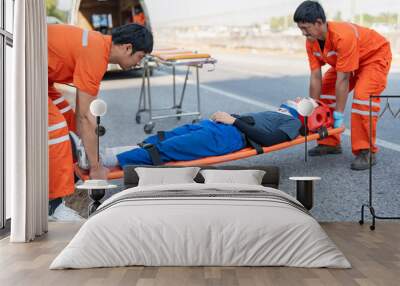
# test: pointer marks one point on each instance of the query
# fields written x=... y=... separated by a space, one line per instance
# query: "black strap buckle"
x=256 y=146
x=323 y=132
x=154 y=154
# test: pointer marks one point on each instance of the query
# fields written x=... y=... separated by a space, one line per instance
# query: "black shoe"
x=53 y=204
x=361 y=162
x=321 y=150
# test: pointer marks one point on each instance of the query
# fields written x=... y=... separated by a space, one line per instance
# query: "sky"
x=230 y=12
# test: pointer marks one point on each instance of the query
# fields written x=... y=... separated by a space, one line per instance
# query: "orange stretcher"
x=169 y=52
x=118 y=173
x=182 y=56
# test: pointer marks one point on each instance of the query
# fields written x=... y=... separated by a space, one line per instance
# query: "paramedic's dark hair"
x=138 y=9
x=309 y=12
x=137 y=35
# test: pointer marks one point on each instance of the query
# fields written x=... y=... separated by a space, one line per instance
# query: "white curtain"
x=26 y=123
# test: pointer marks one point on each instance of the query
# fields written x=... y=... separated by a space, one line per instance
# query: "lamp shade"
x=306 y=107
x=98 y=107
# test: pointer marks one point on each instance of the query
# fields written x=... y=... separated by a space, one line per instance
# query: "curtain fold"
x=26 y=117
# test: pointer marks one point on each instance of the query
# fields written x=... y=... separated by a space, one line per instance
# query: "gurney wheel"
x=138 y=118
x=195 y=121
x=148 y=128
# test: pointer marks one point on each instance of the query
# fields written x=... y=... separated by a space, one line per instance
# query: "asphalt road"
x=254 y=82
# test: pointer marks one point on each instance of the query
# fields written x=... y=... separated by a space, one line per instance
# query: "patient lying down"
x=221 y=134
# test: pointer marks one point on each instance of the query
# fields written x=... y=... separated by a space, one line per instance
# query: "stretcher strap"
x=154 y=154
x=256 y=146
x=323 y=132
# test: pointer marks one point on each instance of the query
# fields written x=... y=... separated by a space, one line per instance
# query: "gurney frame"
x=145 y=100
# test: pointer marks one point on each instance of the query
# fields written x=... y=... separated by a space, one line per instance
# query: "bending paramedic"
x=81 y=57
x=360 y=59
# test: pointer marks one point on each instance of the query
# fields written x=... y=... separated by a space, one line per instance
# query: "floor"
x=374 y=255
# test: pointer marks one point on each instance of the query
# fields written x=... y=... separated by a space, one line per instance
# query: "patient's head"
x=299 y=106
x=294 y=103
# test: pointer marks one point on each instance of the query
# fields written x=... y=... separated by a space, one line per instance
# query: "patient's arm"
x=259 y=135
x=223 y=117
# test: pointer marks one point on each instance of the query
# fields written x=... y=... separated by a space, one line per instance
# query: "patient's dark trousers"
x=189 y=142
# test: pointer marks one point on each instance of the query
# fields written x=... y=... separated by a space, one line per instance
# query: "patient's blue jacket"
x=270 y=121
x=208 y=138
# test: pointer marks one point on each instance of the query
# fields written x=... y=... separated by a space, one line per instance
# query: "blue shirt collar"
x=291 y=110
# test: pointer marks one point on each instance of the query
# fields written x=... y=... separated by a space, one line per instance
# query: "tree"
x=51 y=8
x=338 y=16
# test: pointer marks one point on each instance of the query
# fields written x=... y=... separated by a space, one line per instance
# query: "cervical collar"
x=291 y=106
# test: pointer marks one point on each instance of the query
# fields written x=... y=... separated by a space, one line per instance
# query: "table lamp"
x=98 y=108
x=306 y=108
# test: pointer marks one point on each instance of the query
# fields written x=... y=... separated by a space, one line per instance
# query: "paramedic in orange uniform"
x=81 y=57
x=139 y=18
x=359 y=59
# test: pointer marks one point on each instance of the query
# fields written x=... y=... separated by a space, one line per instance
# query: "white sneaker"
x=64 y=213
x=80 y=153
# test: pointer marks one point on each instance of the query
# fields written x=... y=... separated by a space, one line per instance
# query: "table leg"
x=96 y=196
x=305 y=193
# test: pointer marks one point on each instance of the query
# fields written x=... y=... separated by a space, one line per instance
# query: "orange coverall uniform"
x=79 y=57
x=367 y=56
x=139 y=19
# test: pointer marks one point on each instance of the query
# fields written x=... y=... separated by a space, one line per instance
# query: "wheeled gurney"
x=170 y=58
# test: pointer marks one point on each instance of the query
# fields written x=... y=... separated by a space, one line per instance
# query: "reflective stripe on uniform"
x=57 y=126
x=58 y=100
x=355 y=30
x=325 y=96
x=59 y=140
x=68 y=108
x=365 y=113
x=331 y=53
x=366 y=102
x=332 y=104
x=317 y=54
x=85 y=36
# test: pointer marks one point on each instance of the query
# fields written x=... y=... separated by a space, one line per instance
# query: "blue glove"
x=339 y=118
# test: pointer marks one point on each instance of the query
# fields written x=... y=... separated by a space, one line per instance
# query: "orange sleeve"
x=314 y=62
x=348 y=54
x=89 y=71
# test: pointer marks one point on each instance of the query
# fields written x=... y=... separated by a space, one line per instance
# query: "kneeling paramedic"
x=81 y=57
x=222 y=134
x=360 y=59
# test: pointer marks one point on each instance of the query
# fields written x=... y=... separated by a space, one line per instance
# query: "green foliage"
x=338 y=16
x=51 y=8
x=383 y=18
x=281 y=23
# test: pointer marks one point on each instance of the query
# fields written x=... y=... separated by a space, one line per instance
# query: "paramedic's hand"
x=99 y=172
x=223 y=117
